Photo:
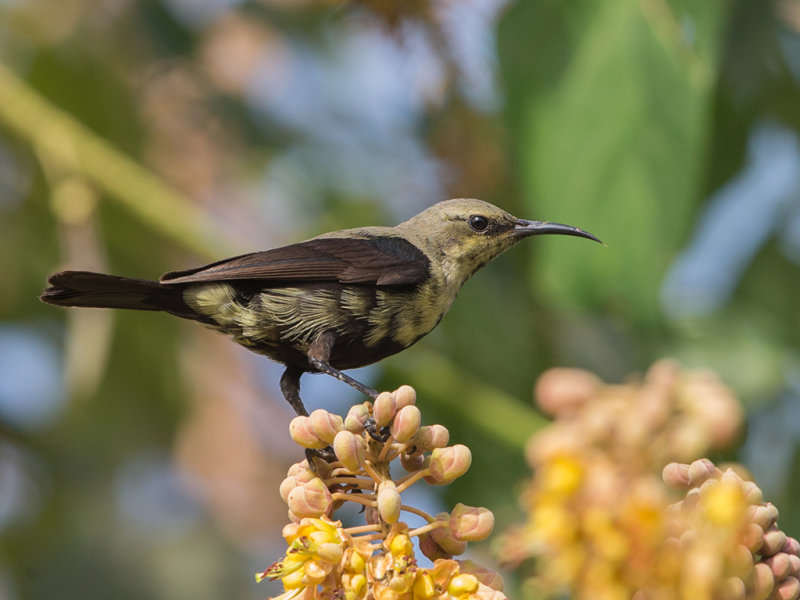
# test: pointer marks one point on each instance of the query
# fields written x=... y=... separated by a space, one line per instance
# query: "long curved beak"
x=525 y=228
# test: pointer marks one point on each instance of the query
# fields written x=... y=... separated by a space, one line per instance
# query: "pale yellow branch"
x=64 y=140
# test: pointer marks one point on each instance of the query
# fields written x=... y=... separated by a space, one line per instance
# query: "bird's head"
x=467 y=234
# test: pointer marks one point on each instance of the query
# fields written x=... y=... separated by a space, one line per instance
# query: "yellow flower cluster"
x=723 y=541
x=602 y=524
x=376 y=560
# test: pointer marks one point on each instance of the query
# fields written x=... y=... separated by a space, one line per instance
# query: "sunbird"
x=341 y=300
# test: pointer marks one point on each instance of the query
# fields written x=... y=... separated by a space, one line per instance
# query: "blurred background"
x=140 y=456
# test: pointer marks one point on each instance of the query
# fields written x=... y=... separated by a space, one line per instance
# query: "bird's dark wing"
x=379 y=260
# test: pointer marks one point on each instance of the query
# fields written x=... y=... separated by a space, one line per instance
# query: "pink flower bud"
x=430 y=437
x=792 y=546
x=356 y=418
x=794 y=561
x=445 y=538
x=733 y=588
x=780 y=565
x=701 y=471
x=406 y=423
x=448 y=464
x=788 y=589
x=753 y=537
x=287 y=485
x=471 y=523
x=389 y=501
x=384 y=409
x=430 y=548
x=562 y=391
x=676 y=475
x=413 y=462
x=301 y=472
x=741 y=561
x=774 y=540
x=404 y=396
x=349 y=450
x=760 y=515
x=325 y=425
x=312 y=499
x=763 y=581
x=301 y=432
x=752 y=493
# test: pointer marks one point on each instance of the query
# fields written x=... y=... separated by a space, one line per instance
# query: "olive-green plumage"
x=338 y=301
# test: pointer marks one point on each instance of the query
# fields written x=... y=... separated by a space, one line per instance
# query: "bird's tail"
x=83 y=288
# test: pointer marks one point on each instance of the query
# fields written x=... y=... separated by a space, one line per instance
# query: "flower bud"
x=741 y=561
x=330 y=551
x=676 y=475
x=794 y=561
x=312 y=499
x=752 y=493
x=430 y=437
x=406 y=423
x=792 y=546
x=448 y=464
x=424 y=588
x=560 y=390
x=287 y=485
x=430 y=548
x=445 y=538
x=302 y=433
x=384 y=409
x=471 y=523
x=413 y=462
x=325 y=425
x=400 y=545
x=349 y=450
x=463 y=584
x=356 y=418
x=773 y=542
x=762 y=581
x=788 y=589
x=733 y=588
x=404 y=396
x=760 y=515
x=753 y=537
x=780 y=565
x=389 y=501
x=700 y=471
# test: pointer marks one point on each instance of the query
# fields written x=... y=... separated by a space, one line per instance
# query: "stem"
x=363 y=529
x=409 y=480
x=427 y=528
x=66 y=141
x=372 y=472
x=386 y=447
x=360 y=482
x=418 y=512
x=357 y=498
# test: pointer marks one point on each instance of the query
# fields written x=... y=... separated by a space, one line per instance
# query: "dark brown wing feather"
x=384 y=261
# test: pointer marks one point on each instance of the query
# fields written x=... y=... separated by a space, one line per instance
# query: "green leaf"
x=614 y=142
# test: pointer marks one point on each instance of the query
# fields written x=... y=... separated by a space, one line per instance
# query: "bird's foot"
x=379 y=434
x=325 y=454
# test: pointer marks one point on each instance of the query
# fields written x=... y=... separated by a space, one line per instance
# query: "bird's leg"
x=290 y=386
x=319 y=354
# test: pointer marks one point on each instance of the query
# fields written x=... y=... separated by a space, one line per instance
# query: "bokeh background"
x=140 y=456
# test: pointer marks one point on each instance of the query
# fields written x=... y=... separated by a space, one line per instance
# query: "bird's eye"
x=479 y=223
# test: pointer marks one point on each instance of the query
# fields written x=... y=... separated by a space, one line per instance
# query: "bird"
x=338 y=301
